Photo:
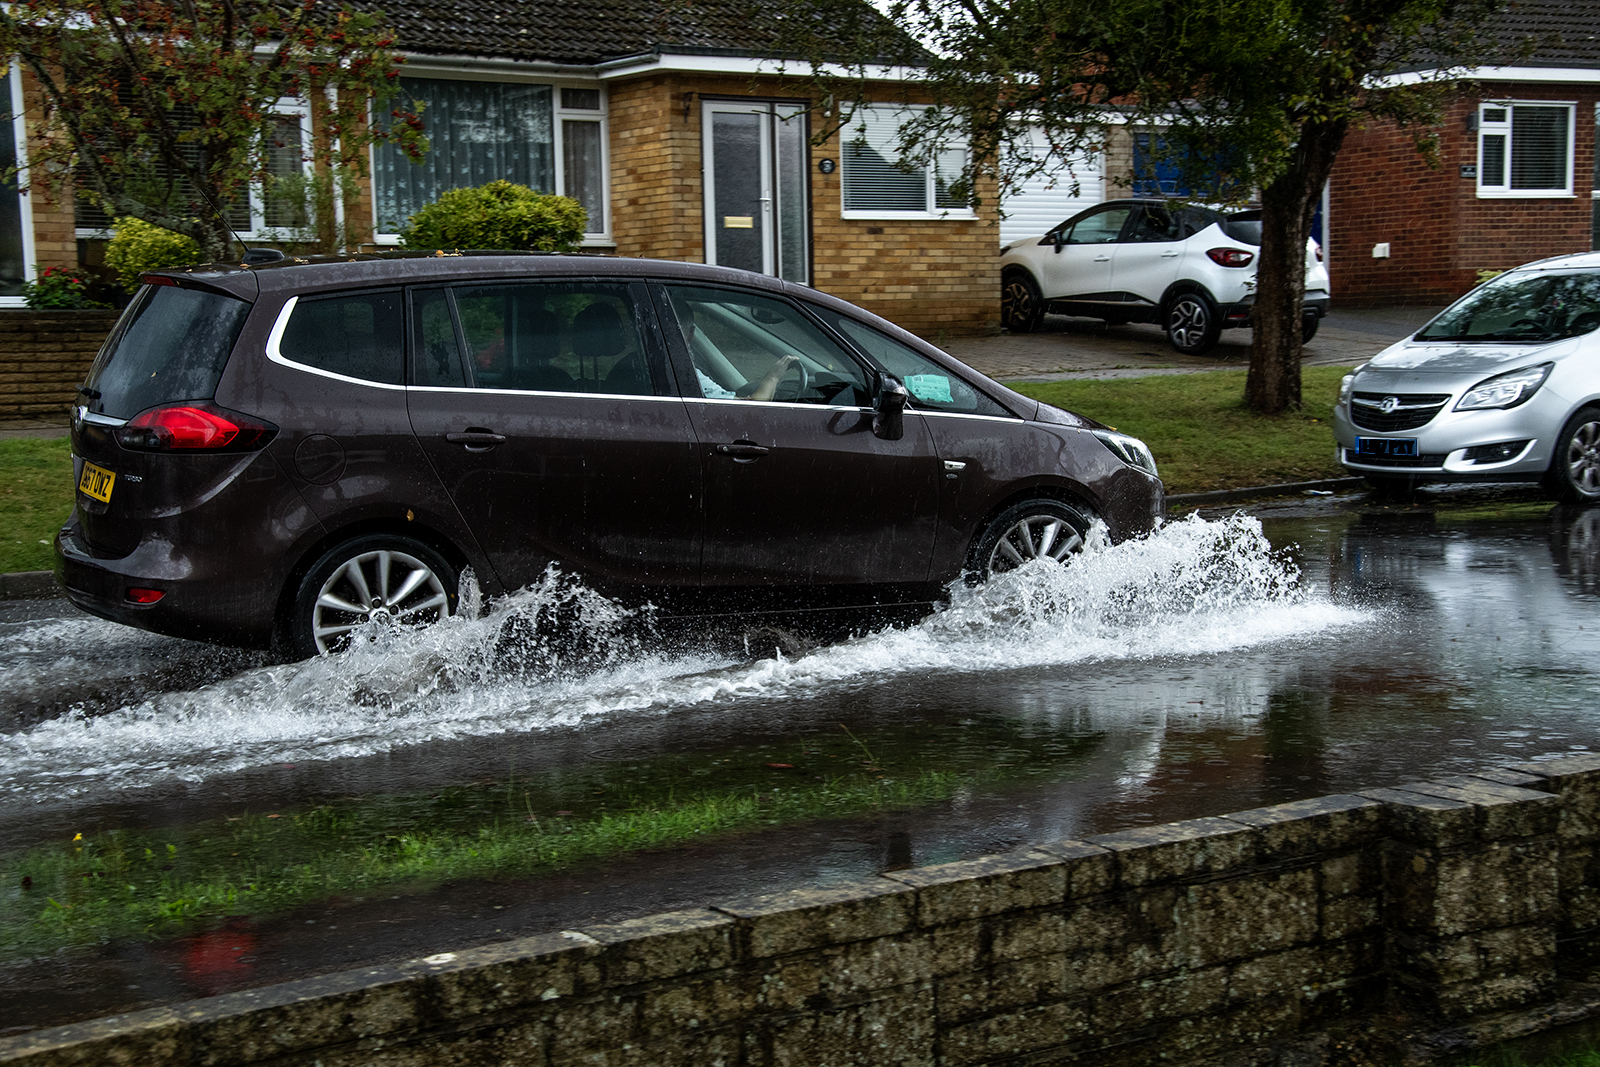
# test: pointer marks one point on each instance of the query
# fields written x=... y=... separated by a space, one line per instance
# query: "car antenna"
x=251 y=256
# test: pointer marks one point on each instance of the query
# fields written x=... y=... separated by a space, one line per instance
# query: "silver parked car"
x=1503 y=386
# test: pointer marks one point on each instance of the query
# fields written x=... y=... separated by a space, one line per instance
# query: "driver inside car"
x=717 y=375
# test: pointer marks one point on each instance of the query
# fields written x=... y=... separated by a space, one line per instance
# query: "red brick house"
x=1516 y=180
x=668 y=122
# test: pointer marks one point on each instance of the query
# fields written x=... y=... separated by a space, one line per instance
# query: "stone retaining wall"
x=1319 y=932
x=43 y=357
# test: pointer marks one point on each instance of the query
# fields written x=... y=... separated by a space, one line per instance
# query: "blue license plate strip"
x=1386 y=446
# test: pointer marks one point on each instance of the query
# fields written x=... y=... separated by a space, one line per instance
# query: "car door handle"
x=1169 y=254
x=476 y=440
x=1102 y=259
x=743 y=451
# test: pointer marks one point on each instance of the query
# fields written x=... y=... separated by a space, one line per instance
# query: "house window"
x=263 y=214
x=480 y=132
x=15 y=240
x=1525 y=149
x=877 y=186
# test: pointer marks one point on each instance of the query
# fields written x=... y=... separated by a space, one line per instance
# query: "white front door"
x=756 y=189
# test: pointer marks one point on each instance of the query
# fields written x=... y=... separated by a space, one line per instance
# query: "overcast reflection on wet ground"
x=1408 y=646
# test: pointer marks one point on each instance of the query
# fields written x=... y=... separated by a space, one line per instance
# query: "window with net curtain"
x=874 y=181
x=477 y=132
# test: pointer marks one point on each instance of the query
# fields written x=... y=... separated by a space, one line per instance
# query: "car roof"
x=306 y=274
x=1570 y=261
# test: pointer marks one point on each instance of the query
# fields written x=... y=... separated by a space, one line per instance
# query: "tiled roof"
x=1566 y=33
x=591 y=31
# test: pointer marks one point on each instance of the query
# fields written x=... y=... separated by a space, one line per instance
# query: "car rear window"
x=171 y=344
x=1244 y=227
x=354 y=335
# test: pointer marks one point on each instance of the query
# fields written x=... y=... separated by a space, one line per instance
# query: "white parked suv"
x=1190 y=269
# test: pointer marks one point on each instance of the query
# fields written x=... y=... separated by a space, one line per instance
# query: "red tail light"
x=157 y=279
x=1231 y=257
x=197 y=427
x=145 y=596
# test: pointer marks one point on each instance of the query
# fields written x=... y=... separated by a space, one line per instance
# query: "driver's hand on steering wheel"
x=768 y=386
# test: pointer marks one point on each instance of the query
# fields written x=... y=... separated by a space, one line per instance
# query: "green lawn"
x=35 y=499
x=1201 y=434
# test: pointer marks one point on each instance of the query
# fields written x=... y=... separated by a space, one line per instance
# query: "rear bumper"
x=216 y=604
x=1317 y=302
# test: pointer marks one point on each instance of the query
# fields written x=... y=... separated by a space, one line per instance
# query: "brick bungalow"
x=666 y=121
x=1516 y=180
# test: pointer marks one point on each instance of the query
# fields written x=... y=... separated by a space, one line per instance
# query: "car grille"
x=1411 y=410
x=1426 y=459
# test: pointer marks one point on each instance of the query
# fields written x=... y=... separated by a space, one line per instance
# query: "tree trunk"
x=1287 y=205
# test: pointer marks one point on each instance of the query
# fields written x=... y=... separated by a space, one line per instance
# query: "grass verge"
x=35 y=499
x=1201 y=433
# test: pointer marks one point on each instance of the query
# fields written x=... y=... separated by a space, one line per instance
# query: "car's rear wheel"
x=1021 y=306
x=1574 y=474
x=1033 y=529
x=1193 y=324
x=378 y=579
x=1308 y=327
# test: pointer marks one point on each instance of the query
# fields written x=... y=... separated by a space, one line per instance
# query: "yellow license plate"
x=97 y=482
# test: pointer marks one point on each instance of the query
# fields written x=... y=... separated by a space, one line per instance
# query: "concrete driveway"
x=1085 y=348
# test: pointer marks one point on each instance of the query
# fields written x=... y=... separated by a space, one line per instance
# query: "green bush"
x=58 y=289
x=138 y=246
x=500 y=214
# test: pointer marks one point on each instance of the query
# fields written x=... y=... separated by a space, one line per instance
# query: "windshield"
x=171 y=344
x=1527 y=308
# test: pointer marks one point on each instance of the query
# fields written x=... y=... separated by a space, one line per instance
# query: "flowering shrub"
x=58 y=288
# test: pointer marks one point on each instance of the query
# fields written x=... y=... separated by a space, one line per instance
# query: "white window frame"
x=931 y=211
x=558 y=114
x=1503 y=129
x=285 y=108
x=19 y=135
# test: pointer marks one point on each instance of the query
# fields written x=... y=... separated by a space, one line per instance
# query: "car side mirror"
x=889 y=410
x=1060 y=239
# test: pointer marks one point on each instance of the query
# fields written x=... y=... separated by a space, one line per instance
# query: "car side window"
x=932 y=386
x=562 y=337
x=357 y=335
x=748 y=347
x=435 y=352
x=1194 y=219
x=1103 y=227
x=1155 y=224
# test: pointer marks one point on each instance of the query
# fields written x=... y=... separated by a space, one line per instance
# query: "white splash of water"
x=558 y=654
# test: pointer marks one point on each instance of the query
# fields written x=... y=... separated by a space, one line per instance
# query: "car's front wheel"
x=1193 y=324
x=1574 y=474
x=1033 y=529
x=382 y=580
x=1021 y=306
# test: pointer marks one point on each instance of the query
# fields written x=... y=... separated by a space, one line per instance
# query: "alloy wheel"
x=1034 y=537
x=1188 y=323
x=1583 y=458
x=382 y=586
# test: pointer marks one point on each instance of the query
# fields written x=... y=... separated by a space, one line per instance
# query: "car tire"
x=1308 y=327
x=1033 y=529
x=1192 y=322
x=1021 y=306
x=399 y=579
x=1574 y=475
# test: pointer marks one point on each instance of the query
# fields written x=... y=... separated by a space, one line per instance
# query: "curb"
x=1224 y=496
x=28 y=585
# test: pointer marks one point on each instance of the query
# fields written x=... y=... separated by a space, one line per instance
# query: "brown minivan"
x=276 y=455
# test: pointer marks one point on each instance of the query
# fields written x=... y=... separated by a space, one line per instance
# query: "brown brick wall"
x=1439 y=232
x=44 y=355
x=935 y=277
x=55 y=242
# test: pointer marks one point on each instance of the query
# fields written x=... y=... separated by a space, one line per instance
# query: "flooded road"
x=427 y=791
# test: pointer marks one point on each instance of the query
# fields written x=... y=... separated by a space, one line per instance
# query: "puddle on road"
x=1196 y=673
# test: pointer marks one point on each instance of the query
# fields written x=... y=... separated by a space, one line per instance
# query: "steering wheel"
x=1537 y=325
x=801 y=387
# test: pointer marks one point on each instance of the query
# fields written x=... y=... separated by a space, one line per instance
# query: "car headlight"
x=1505 y=390
x=1131 y=450
x=1344 y=388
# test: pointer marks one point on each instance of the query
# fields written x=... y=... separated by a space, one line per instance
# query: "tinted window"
x=357 y=335
x=172 y=344
x=931 y=385
x=435 y=354
x=1244 y=227
x=1155 y=224
x=745 y=346
x=554 y=337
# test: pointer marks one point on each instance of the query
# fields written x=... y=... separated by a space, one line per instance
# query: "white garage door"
x=1037 y=206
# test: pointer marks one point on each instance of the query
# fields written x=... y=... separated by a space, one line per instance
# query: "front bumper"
x=1444 y=443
